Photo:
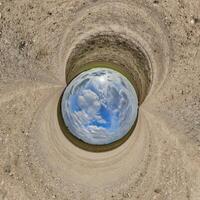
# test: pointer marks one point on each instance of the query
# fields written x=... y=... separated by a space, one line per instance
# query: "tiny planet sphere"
x=99 y=106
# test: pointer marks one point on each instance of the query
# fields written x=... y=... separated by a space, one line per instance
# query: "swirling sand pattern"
x=43 y=45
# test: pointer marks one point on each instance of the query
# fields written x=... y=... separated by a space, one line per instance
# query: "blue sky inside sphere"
x=99 y=106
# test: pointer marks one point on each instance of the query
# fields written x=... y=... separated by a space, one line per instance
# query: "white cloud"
x=110 y=92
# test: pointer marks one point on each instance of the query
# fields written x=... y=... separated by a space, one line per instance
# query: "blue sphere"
x=99 y=106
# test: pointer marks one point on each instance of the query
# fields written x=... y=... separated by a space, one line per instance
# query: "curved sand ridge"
x=56 y=40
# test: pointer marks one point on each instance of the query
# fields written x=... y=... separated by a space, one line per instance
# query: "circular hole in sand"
x=111 y=51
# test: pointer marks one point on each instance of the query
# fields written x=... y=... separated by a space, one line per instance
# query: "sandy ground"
x=160 y=160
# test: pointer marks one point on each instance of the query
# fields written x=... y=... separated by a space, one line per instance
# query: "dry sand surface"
x=156 y=42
